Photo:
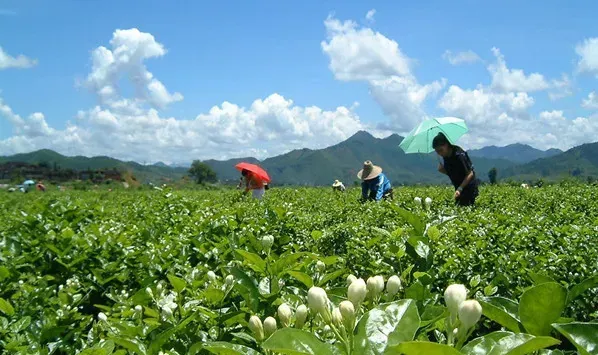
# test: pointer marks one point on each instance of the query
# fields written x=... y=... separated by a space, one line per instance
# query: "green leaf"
x=490 y=290
x=331 y=276
x=420 y=348
x=214 y=295
x=130 y=344
x=247 y=288
x=583 y=335
x=177 y=283
x=521 y=344
x=151 y=313
x=539 y=279
x=286 y=261
x=302 y=277
x=163 y=337
x=483 y=345
x=297 y=342
x=94 y=351
x=417 y=223
x=224 y=348
x=387 y=324
x=255 y=262
x=316 y=234
x=4 y=273
x=21 y=324
x=6 y=308
x=501 y=310
x=475 y=281
x=581 y=287
x=540 y=306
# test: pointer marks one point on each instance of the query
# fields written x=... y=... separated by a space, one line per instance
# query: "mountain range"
x=343 y=160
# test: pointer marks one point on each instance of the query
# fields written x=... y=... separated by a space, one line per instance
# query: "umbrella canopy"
x=256 y=169
x=420 y=139
x=29 y=182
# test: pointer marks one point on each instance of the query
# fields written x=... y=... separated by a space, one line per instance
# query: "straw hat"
x=369 y=171
x=337 y=183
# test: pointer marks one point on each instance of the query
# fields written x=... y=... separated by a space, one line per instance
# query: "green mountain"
x=144 y=173
x=517 y=153
x=342 y=161
x=581 y=161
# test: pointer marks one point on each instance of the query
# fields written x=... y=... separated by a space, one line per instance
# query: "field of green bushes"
x=306 y=271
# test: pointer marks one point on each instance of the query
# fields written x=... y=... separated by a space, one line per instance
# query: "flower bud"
x=428 y=202
x=255 y=325
x=348 y=312
x=320 y=266
x=149 y=292
x=267 y=242
x=417 y=201
x=138 y=308
x=211 y=276
x=230 y=280
x=350 y=279
x=337 y=317
x=159 y=287
x=393 y=285
x=300 y=316
x=470 y=312
x=327 y=329
x=102 y=317
x=284 y=314
x=167 y=312
x=357 y=292
x=454 y=295
x=318 y=302
x=375 y=285
x=269 y=326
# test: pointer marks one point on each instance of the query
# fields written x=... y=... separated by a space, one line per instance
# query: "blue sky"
x=239 y=52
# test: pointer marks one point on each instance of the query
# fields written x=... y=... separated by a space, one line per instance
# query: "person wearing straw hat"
x=338 y=186
x=375 y=186
x=459 y=168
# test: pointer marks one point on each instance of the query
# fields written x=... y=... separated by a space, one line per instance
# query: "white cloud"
x=370 y=15
x=20 y=61
x=465 y=57
x=511 y=80
x=591 y=102
x=133 y=128
x=129 y=49
x=361 y=54
x=588 y=56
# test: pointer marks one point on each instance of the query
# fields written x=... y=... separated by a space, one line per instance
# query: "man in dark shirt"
x=459 y=168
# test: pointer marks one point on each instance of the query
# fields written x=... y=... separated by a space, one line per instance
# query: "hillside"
x=517 y=153
x=143 y=173
x=343 y=161
x=581 y=161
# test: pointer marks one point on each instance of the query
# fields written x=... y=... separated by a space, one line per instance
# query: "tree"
x=202 y=172
x=492 y=175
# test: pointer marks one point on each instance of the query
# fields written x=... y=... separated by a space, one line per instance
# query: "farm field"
x=186 y=272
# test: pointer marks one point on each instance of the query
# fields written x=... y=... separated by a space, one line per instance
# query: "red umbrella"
x=255 y=169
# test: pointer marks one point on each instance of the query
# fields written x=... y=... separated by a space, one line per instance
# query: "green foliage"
x=493 y=176
x=202 y=172
x=183 y=271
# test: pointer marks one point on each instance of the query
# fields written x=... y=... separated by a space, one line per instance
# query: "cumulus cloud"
x=20 y=61
x=129 y=50
x=465 y=57
x=591 y=102
x=361 y=54
x=588 y=56
x=370 y=15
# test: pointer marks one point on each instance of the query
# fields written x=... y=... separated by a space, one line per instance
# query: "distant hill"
x=144 y=173
x=517 y=153
x=343 y=161
x=581 y=161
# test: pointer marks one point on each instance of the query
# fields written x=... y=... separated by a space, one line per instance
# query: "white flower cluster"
x=427 y=201
x=263 y=330
x=467 y=312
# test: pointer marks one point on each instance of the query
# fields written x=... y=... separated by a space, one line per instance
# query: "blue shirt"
x=375 y=188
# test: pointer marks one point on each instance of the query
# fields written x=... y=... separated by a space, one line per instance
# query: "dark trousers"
x=468 y=196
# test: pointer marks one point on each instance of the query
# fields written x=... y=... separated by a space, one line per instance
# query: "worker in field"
x=254 y=183
x=338 y=186
x=459 y=168
x=375 y=186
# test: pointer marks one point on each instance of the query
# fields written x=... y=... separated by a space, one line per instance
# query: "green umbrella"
x=420 y=139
